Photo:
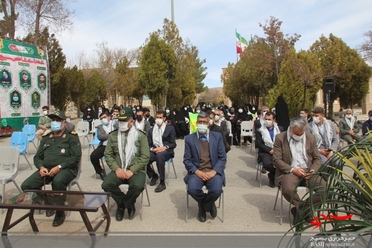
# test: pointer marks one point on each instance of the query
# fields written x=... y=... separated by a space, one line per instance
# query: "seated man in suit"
x=127 y=154
x=162 y=141
x=103 y=132
x=367 y=125
x=349 y=128
x=205 y=160
x=325 y=134
x=141 y=123
x=296 y=158
x=265 y=138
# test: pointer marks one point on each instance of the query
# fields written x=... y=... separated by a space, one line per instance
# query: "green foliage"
x=348 y=192
x=157 y=69
x=300 y=79
x=345 y=66
x=190 y=70
x=95 y=92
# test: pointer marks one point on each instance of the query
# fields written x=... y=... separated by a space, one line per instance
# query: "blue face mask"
x=55 y=126
x=104 y=122
x=15 y=98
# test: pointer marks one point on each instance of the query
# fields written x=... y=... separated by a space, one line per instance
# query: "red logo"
x=330 y=217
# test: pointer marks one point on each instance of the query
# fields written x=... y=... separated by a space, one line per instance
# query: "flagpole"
x=236 y=47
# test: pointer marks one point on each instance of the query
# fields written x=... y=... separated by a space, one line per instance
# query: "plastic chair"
x=9 y=167
x=20 y=141
x=30 y=129
x=246 y=130
x=95 y=124
x=169 y=163
x=75 y=181
x=82 y=130
x=94 y=142
x=299 y=188
x=221 y=201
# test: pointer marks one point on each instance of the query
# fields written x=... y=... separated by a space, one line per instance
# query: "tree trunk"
x=37 y=20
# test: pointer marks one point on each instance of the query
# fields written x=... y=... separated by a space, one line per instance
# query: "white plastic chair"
x=246 y=130
x=299 y=188
x=169 y=163
x=75 y=181
x=82 y=130
x=8 y=167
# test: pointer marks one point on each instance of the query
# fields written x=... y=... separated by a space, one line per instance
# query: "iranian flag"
x=241 y=43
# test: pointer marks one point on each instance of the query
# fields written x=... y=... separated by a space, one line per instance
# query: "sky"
x=210 y=25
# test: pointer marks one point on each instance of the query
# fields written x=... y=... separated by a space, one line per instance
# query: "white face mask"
x=123 y=126
x=240 y=110
x=349 y=116
x=216 y=117
x=159 y=122
x=45 y=112
x=202 y=128
x=268 y=123
x=316 y=120
x=296 y=137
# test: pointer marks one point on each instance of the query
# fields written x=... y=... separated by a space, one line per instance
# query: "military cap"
x=125 y=113
x=57 y=114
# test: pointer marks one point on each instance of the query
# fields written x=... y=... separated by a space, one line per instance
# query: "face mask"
x=216 y=117
x=55 y=126
x=159 y=122
x=296 y=137
x=99 y=110
x=185 y=108
x=202 y=128
x=268 y=123
x=89 y=109
x=5 y=75
x=253 y=109
x=123 y=126
x=240 y=110
x=198 y=111
x=15 y=98
x=167 y=111
x=302 y=115
x=370 y=118
x=104 y=122
x=316 y=120
x=348 y=116
x=45 y=112
x=210 y=122
x=139 y=118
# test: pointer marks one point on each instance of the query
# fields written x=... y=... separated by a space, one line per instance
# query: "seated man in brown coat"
x=296 y=158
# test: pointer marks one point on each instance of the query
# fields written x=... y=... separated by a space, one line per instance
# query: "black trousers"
x=160 y=159
x=95 y=156
x=267 y=163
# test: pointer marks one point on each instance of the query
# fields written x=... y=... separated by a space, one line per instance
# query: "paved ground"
x=248 y=208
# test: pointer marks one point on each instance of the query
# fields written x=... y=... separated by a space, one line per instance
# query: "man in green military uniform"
x=57 y=160
x=127 y=154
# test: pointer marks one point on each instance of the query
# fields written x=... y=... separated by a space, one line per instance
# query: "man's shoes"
x=213 y=211
x=202 y=216
x=102 y=176
x=59 y=218
x=131 y=212
x=154 y=178
x=271 y=177
x=119 y=214
x=263 y=170
x=50 y=213
x=160 y=187
x=294 y=215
